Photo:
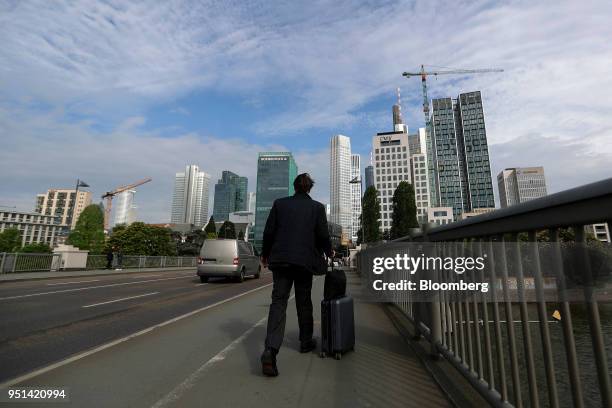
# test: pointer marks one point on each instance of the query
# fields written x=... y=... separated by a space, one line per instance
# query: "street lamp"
x=357 y=180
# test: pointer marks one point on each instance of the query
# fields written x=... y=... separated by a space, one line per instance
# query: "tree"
x=227 y=230
x=210 y=227
x=10 y=240
x=36 y=248
x=88 y=233
x=192 y=244
x=142 y=239
x=370 y=215
x=404 y=214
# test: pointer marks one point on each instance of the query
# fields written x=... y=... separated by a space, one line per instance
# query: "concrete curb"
x=31 y=276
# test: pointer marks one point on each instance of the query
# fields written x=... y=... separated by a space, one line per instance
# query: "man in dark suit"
x=294 y=240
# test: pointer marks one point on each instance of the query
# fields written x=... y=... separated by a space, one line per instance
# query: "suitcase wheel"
x=338 y=356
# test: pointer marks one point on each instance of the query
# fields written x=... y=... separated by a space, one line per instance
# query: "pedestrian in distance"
x=119 y=259
x=109 y=258
x=294 y=240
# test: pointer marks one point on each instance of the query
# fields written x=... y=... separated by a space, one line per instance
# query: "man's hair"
x=303 y=183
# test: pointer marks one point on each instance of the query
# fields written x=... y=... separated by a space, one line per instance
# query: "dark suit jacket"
x=296 y=232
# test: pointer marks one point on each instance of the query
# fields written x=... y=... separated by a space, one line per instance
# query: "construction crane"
x=423 y=74
x=109 y=198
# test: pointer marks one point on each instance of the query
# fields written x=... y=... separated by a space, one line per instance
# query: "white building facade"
x=34 y=228
x=520 y=184
x=190 y=198
x=391 y=166
x=339 y=185
x=355 y=195
x=62 y=203
x=125 y=209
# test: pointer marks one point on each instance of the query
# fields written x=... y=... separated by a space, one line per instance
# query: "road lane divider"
x=113 y=343
x=89 y=287
x=71 y=283
x=193 y=378
x=120 y=300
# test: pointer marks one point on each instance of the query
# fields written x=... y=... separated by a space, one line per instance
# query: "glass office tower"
x=460 y=172
x=275 y=174
x=230 y=195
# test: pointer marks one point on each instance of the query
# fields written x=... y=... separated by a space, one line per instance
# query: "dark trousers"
x=284 y=278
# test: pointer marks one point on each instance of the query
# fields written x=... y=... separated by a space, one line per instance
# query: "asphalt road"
x=45 y=321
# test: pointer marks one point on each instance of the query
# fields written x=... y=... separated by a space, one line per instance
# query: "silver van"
x=230 y=258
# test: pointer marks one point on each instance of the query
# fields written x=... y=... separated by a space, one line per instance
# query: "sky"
x=111 y=92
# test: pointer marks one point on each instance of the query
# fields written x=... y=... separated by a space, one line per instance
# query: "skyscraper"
x=125 y=210
x=230 y=195
x=460 y=169
x=399 y=157
x=275 y=174
x=519 y=184
x=355 y=195
x=190 y=198
x=339 y=184
x=369 y=176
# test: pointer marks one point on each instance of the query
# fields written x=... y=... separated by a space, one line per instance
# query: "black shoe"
x=308 y=346
x=268 y=363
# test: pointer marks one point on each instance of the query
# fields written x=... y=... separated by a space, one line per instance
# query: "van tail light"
x=236 y=261
x=200 y=260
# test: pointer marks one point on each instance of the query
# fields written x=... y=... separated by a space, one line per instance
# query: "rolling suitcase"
x=337 y=327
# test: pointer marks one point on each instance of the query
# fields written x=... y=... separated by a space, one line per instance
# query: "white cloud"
x=333 y=58
x=31 y=164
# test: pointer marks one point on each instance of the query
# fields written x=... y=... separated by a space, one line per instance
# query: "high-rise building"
x=230 y=195
x=275 y=174
x=339 y=184
x=251 y=198
x=391 y=166
x=60 y=203
x=418 y=171
x=519 y=184
x=369 y=176
x=355 y=195
x=190 y=198
x=460 y=170
x=400 y=157
x=125 y=209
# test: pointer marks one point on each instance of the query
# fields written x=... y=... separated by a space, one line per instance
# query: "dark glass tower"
x=275 y=174
x=230 y=195
x=369 y=177
x=460 y=170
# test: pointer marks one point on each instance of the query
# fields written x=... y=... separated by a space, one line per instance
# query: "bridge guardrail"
x=480 y=335
x=28 y=262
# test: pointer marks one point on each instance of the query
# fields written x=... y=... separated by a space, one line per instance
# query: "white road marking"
x=148 y=276
x=122 y=299
x=79 y=356
x=190 y=381
x=70 y=283
x=89 y=287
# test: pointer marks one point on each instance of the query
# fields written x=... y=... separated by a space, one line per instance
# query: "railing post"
x=436 y=323
x=2 y=262
x=15 y=257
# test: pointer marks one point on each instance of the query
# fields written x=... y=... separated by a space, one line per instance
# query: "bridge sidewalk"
x=212 y=359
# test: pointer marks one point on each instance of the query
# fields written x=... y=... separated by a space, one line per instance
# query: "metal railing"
x=26 y=262
x=141 y=261
x=506 y=347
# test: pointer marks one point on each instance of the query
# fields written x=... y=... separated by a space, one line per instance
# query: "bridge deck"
x=212 y=359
